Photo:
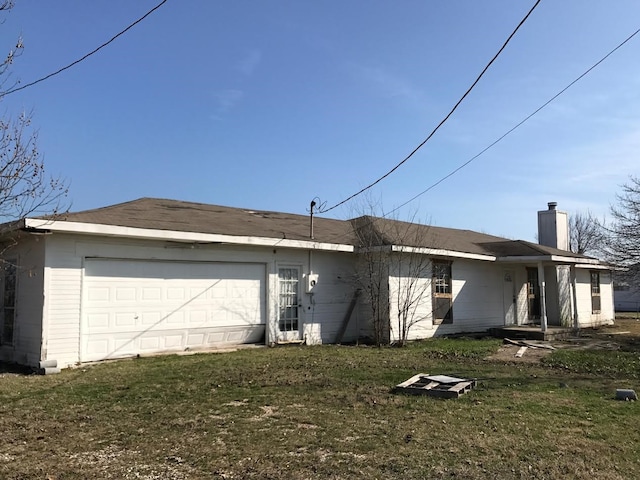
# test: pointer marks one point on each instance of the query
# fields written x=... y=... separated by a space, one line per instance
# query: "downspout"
x=543 y=298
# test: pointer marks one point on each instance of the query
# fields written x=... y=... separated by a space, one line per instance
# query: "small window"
x=8 y=301
x=442 y=296
x=595 y=292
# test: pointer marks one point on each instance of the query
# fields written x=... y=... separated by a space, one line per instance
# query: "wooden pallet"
x=442 y=386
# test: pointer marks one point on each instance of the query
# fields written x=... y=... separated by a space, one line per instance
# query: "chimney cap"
x=552 y=205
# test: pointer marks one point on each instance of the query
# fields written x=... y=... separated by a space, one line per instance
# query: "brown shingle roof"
x=162 y=214
x=175 y=215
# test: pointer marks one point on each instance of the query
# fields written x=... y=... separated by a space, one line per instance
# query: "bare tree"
x=372 y=275
x=586 y=234
x=412 y=273
x=25 y=188
x=395 y=275
x=623 y=245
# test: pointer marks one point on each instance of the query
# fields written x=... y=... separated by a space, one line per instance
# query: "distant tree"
x=25 y=188
x=623 y=245
x=586 y=234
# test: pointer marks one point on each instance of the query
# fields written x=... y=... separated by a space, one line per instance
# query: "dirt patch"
x=623 y=335
x=507 y=353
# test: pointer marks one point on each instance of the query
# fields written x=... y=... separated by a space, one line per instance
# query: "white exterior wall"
x=321 y=314
x=478 y=302
x=586 y=318
x=27 y=334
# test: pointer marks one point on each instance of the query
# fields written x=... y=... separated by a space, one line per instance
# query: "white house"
x=155 y=275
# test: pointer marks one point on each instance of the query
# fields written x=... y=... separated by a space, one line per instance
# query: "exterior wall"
x=565 y=296
x=558 y=296
x=551 y=295
x=322 y=311
x=586 y=318
x=27 y=334
x=410 y=284
x=478 y=301
x=364 y=312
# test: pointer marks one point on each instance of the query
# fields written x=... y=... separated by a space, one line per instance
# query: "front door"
x=509 y=298
x=289 y=304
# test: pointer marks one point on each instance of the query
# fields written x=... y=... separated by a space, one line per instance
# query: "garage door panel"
x=134 y=307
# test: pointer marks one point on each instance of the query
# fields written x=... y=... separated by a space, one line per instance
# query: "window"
x=442 y=296
x=595 y=292
x=8 y=301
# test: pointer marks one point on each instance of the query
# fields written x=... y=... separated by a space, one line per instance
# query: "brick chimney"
x=553 y=227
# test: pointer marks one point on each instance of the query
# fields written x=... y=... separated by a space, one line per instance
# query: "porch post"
x=543 y=298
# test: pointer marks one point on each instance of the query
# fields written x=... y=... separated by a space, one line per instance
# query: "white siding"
x=586 y=318
x=322 y=312
x=477 y=301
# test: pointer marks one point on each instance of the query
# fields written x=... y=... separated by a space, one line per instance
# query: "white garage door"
x=132 y=307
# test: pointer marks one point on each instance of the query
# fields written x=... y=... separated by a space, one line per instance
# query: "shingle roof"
x=174 y=215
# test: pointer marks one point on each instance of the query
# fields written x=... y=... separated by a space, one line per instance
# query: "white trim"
x=441 y=253
x=589 y=262
x=176 y=236
x=594 y=267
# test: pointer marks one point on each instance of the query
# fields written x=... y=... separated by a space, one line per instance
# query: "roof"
x=175 y=215
x=179 y=216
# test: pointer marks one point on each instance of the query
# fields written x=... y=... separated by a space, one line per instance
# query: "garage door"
x=139 y=307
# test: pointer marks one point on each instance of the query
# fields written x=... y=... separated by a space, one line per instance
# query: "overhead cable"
x=17 y=89
x=525 y=119
x=442 y=121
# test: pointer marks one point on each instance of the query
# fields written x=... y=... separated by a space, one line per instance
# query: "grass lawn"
x=328 y=412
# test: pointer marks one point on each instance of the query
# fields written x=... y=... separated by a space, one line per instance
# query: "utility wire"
x=508 y=132
x=443 y=120
x=525 y=119
x=17 y=89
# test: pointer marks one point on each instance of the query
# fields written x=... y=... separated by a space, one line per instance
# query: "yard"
x=328 y=412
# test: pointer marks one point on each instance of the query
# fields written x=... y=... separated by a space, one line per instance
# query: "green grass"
x=324 y=412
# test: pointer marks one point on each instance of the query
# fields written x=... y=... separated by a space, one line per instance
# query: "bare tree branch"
x=586 y=234
x=623 y=244
x=25 y=187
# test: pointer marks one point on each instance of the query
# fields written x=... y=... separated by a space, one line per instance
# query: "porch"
x=531 y=332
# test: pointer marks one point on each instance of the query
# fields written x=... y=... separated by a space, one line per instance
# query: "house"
x=155 y=275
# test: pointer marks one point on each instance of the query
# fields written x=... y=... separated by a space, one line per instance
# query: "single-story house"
x=154 y=275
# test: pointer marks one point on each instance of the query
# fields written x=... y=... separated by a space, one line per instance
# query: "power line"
x=443 y=120
x=17 y=89
x=508 y=132
x=525 y=119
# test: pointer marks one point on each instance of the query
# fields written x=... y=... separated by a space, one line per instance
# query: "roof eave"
x=178 y=236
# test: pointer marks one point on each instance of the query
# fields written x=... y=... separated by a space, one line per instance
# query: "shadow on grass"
x=14 y=368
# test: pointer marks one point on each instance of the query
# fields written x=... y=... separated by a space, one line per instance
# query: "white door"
x=509 y=298
x=289 y=303
x=135 y=307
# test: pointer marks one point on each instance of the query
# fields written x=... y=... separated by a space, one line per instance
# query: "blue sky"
x=267 y=105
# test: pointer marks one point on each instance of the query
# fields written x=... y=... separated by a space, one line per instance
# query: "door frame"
x=294 y=334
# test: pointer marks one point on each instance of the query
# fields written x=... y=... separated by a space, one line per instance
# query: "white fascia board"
x=175 y=236
x=442 y=253
x=586 y=262
x=595 y=267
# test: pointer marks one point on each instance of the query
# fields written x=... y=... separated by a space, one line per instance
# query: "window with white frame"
x=595 y=292
x=442 y=292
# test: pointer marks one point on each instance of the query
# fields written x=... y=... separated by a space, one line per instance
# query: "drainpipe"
x=543 y=298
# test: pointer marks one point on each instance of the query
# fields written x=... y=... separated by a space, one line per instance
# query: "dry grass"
x=325 y=412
